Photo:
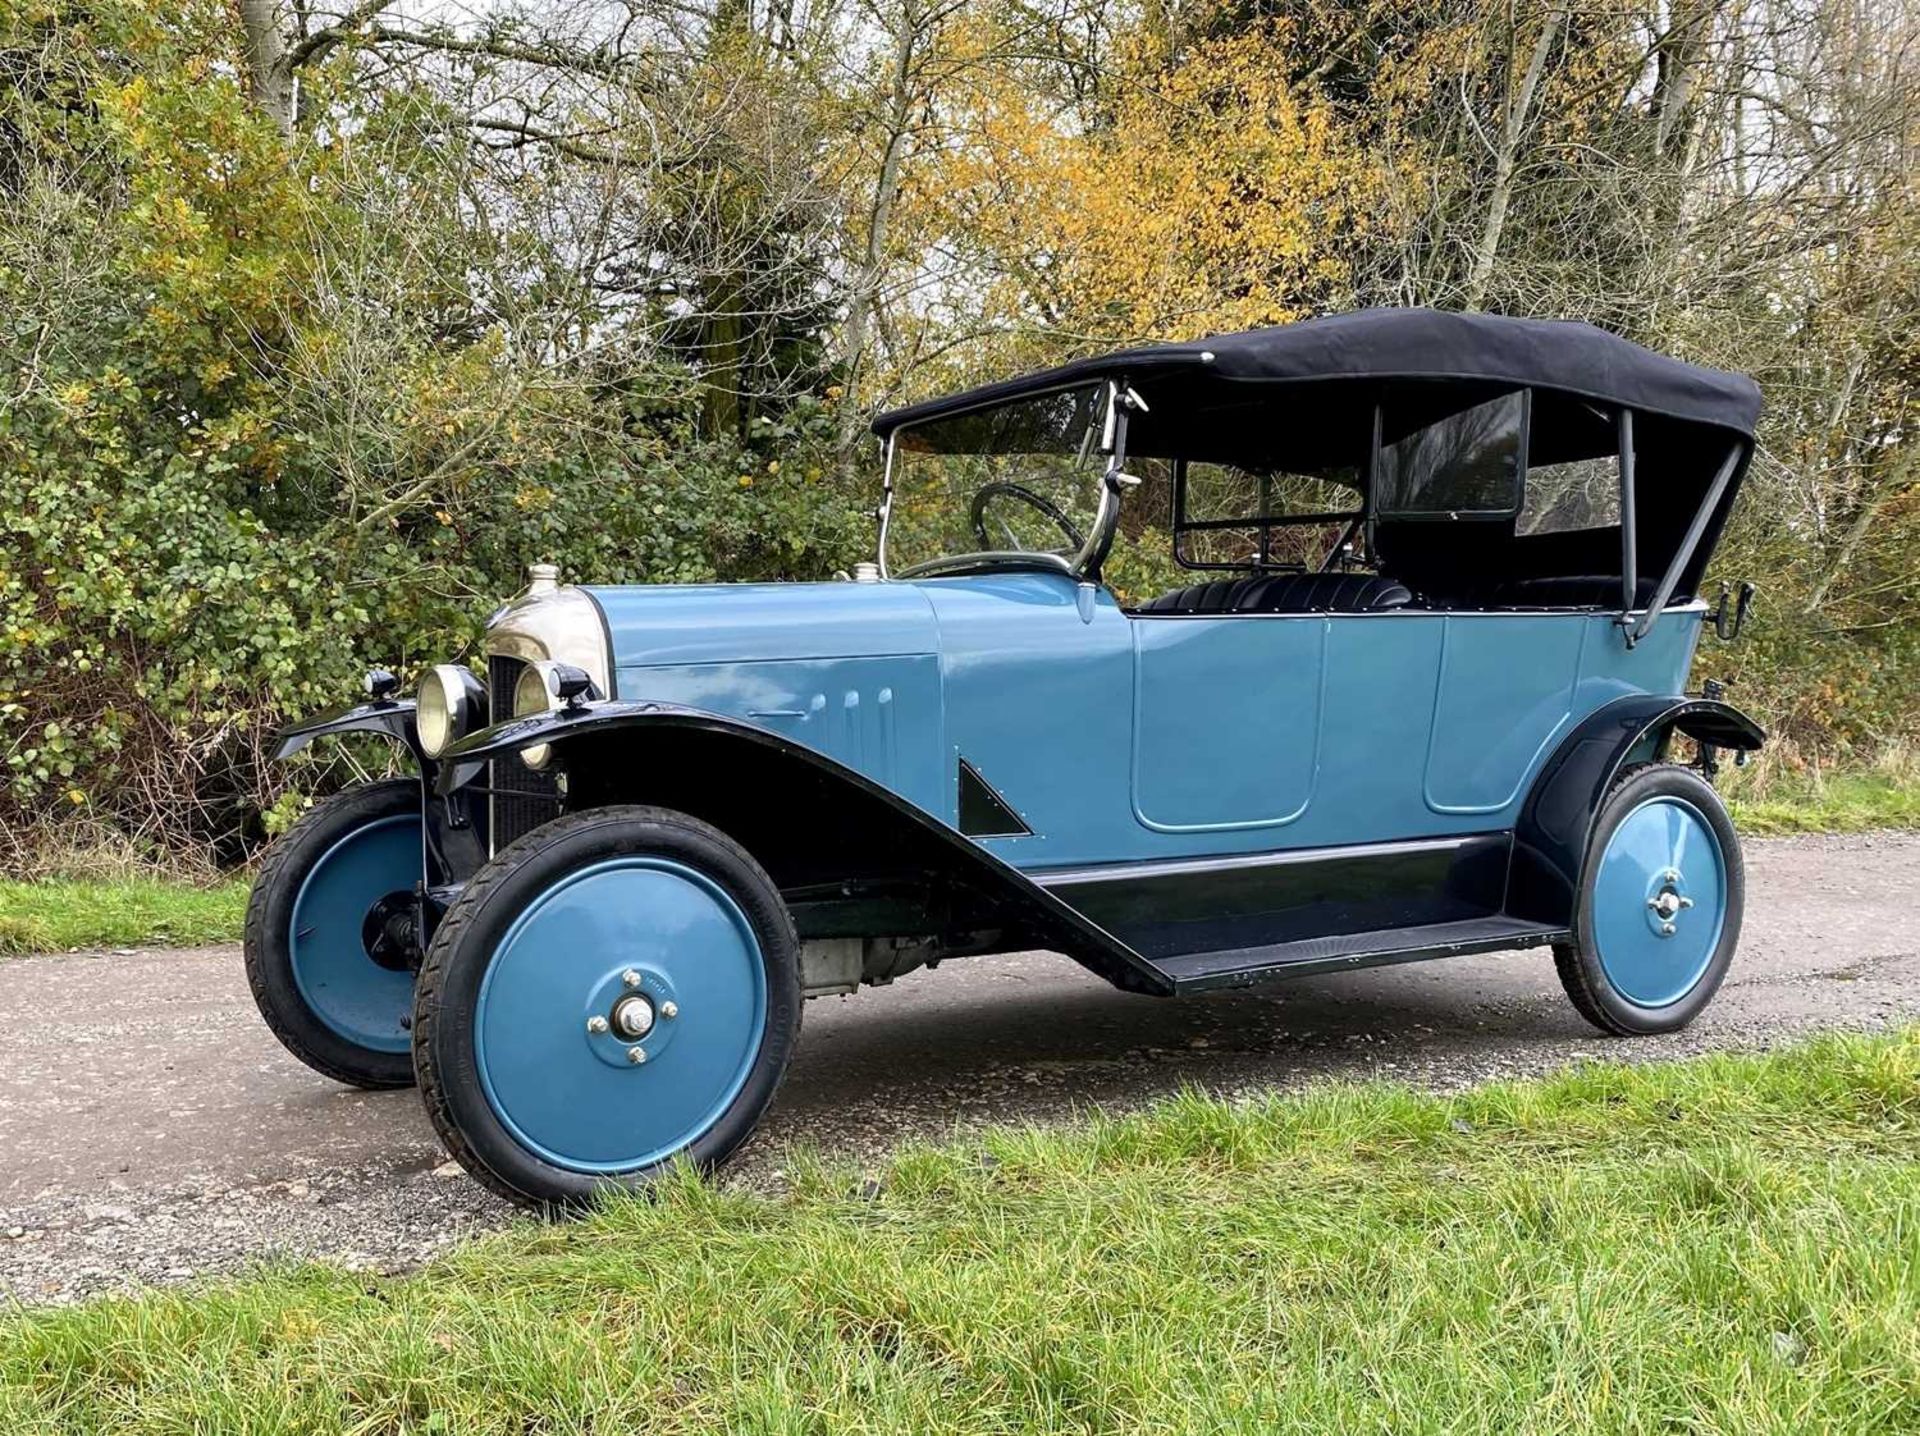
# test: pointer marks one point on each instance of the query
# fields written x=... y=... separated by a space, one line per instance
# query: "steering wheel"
x=977 y=513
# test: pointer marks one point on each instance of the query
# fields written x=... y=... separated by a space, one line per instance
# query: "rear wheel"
x=324 y=954
x=616 y=990
x=1657 y=917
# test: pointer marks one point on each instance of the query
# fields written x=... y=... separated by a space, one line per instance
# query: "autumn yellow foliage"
x=1214 y=195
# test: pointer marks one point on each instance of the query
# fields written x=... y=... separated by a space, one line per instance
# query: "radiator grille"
x=521 y=799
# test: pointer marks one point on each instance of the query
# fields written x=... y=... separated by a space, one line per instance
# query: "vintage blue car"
x=1420 y=698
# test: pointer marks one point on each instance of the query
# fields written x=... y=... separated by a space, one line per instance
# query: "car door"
x=1504 y=695
x=1227 y=726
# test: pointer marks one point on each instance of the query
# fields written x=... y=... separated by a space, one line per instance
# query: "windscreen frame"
x=1084 y=565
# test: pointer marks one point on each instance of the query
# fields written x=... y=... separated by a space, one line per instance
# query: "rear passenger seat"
x=1568 y=591
x=1286 y=593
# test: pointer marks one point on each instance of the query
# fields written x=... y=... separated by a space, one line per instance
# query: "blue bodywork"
x=1122 y=738
x=670 y=813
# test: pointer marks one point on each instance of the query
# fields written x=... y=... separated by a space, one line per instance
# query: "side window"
x=1582 y=494
x=1242 y=518
x=1466 y=465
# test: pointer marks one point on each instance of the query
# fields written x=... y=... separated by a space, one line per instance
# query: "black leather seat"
x=1568 y=591
x=1286 y=593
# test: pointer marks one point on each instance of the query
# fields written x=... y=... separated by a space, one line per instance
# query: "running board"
x=1246 y=966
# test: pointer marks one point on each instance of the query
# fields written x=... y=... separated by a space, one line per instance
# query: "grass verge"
x=1727 y=1244
x=59 y=915
x=1826 y=802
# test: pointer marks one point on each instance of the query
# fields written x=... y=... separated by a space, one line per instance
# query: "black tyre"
x=1657 y=916
x=332 y=990
x=616 y=991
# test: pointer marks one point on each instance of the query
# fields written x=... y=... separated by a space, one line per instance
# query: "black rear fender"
x=1550 y=840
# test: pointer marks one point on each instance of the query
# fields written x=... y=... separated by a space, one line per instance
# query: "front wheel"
x=328 y=934
x=1657 y=916
x=617 y=990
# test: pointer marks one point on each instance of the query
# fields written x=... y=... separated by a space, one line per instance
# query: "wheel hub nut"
x=636 y=1055
x=633 y=1017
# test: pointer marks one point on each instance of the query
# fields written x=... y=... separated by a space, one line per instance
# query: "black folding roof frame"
x=1349 y=359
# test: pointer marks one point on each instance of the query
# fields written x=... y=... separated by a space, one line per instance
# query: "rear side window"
x=1562 y=498
x=1466 y=465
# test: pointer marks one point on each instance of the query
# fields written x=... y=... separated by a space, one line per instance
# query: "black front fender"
x=391 y=716
x=1550 y=840
x=455 y=829
x=462 y=762
x=719 y=740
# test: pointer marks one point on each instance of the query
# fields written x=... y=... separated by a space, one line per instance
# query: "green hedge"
x=260 y=430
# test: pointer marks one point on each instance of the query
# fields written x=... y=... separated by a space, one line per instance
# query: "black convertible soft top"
x=1374 y=347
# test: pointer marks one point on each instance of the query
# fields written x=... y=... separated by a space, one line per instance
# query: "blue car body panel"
x=851 y=671
x=1268 y=685
x=1119 y=738
x=655 y=624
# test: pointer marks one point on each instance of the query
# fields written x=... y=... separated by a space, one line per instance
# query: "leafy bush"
x=259 y=438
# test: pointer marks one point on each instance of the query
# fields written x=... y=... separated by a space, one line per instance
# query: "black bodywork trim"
x=391 y=716
x=983 y=812
x=1159 y=926
x=1167 y=909
x=1550 y=839
x=1211 y=971
x=1262 y=915
x=1081 y=939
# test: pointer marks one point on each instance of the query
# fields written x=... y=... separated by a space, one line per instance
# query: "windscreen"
x=1017 y=477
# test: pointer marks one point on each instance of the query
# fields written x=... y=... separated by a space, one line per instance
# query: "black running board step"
x=1245 y=966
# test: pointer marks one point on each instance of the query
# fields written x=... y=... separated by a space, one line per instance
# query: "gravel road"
x=151 y=1131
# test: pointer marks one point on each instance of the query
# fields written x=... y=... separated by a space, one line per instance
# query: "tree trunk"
x=724 y=334
x=1682 y=51
x=1897 y=476
x=723 y=361
x=268 y=69
x=886 y=191
x=1519 y=113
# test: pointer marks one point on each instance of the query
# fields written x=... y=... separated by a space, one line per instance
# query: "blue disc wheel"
x=330 y=942
x=1658 y=914
x=616 y=991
